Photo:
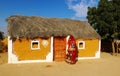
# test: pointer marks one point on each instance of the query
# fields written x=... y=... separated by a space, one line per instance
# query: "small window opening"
x=81 y=45
x=35 y=45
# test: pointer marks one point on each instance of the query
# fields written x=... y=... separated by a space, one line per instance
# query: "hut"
x=39 y=39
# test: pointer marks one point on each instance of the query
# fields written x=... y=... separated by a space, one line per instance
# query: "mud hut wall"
x=22 y=49
x=90 y=48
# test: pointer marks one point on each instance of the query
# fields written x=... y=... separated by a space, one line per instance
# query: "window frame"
x=83 y=44
x=32 y=45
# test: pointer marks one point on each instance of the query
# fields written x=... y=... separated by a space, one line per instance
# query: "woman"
x=71 y=56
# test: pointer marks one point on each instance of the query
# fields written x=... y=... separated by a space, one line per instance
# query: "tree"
x=105 y=18
x=2 y=46
x=1 y=35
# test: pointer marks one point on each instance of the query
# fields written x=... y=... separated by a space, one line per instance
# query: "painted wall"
x=90 y=49
x=22 y=49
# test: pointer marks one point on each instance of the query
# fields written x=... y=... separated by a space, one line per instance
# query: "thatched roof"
x=34 y=26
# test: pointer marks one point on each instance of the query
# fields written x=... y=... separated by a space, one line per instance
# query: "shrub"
x=3 y=48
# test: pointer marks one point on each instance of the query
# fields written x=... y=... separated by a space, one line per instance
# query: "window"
x=81 y=45
x=35 y=45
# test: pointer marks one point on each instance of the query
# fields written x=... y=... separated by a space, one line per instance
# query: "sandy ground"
x=107 y=65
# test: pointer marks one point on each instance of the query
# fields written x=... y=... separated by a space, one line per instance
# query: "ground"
x=107 y=65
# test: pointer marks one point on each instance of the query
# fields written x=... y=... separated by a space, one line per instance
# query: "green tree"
x=1 y=35
x=105 y=18
x=1 y=43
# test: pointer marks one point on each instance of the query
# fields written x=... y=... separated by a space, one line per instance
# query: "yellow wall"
x=91 y=47
x=22 y=49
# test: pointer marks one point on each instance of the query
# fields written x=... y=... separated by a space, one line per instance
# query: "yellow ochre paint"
x=91 y=47
x=22 y=49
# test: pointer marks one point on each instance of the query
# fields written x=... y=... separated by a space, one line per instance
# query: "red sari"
x=72 y=50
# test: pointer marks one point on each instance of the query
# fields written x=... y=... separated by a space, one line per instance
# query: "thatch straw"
x=33 y=26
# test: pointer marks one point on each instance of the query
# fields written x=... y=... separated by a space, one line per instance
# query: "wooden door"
x=59 y=48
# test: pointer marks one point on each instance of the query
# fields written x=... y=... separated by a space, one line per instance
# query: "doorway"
x=59 y=49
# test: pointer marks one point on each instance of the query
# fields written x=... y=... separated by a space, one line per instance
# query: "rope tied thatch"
x=34 y=26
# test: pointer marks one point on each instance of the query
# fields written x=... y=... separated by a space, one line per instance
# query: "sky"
x=73 y=9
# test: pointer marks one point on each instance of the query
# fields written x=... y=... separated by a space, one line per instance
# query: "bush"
x=3 y=48
x=1 y=35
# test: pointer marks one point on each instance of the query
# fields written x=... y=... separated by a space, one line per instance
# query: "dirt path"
x=107 y=65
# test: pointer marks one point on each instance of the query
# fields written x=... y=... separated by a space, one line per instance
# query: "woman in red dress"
x=72 y=51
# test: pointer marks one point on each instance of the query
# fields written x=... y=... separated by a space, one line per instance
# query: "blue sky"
x=74 y=9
